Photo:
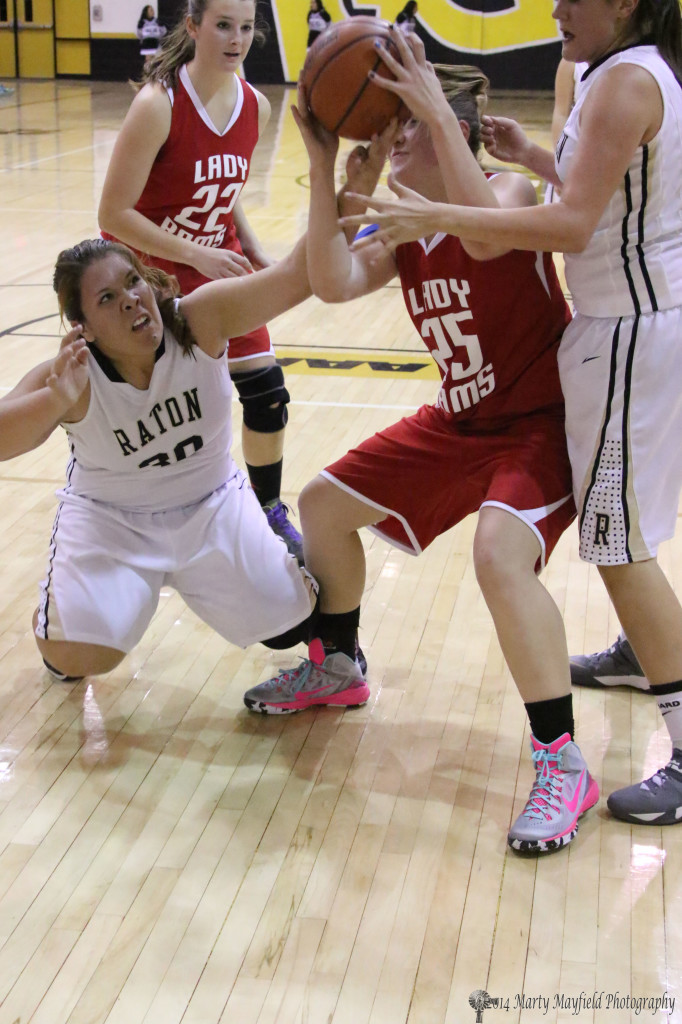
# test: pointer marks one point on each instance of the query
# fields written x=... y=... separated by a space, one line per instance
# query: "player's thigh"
x=242 y=581
x=530 y=481
x=94 y=592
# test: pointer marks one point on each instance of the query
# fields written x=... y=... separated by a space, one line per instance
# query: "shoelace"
x=659 y=777
x=545 y=796
x=280 y=511
x=301 y=673
x=610 y=651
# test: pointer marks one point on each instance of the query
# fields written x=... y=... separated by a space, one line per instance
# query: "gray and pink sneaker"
x=563 y=790
x=335 y=680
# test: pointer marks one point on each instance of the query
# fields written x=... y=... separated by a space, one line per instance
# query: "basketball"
x=340 y=95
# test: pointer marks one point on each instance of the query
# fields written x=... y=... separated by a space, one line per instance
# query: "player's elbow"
x=109 y=217
x=577 y=240
x=330 y=291
x=104 y=218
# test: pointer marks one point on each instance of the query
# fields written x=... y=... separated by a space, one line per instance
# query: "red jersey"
x=198 y=175
x=493 y=326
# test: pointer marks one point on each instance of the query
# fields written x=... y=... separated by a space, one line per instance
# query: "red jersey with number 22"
x=492 y=326
x=198 y=175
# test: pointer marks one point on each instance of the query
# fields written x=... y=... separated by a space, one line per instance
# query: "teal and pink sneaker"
x=335 y=680
x=563 y=790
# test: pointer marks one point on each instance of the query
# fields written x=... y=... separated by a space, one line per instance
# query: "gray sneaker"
x=616 y=666
x=334 y=680
x=563 y=790
x=656 y=801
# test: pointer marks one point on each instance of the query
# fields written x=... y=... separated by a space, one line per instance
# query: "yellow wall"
x=527 y=23
x=73 y=56
x=72 y=19
x=72 y=24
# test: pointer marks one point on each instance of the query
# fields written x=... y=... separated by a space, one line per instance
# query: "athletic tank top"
x=198 y=175
x=492 y=326
x=633 y=262
x=156 y=449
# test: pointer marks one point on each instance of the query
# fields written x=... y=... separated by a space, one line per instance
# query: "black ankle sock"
x=550 y=719
x=663 y=689
x=266 y=481
x=338 y=632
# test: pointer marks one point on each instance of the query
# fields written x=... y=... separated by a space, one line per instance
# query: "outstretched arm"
x=45 y=397
x=226 y=309
x=336 y=272
x=626 y=95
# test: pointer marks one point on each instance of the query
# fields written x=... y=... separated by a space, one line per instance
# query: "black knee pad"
x=264 y=398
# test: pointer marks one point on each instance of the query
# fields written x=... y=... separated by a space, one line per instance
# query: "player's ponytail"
x=465 y=87
x=661 y=20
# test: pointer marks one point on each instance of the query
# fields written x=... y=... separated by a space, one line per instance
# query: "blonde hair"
x=465 y=87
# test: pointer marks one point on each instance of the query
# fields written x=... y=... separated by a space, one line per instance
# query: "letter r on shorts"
x=601 y=529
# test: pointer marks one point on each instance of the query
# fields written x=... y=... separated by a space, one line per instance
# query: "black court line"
x=27 y=323
x=353 y=348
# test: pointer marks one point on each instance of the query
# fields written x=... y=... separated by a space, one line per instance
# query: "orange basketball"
x=340 y=94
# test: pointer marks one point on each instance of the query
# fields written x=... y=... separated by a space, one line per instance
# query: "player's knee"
x=77 y=661
x=68 y=661
x=311 y=497
x=299 y=634
x=302 y=632
x=493 y=562
x=292 y=637
x=315 y=506
x=264 y=398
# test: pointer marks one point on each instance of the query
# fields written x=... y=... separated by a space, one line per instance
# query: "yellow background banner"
x=526 y=23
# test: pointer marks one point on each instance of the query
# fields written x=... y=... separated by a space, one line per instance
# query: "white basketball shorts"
x=622 y=381
x=107 y=567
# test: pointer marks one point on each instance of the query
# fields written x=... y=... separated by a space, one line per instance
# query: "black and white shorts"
x=107 y=567
x=622 y=381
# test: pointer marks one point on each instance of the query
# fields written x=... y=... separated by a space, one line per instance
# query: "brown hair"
x=72 y=263
x=178 y=46
x=661 y=20
x=465 y=87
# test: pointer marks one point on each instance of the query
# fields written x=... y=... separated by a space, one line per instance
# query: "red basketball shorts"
x=427 y=472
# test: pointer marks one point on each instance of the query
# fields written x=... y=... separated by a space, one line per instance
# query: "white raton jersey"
x=159 y=448
x=633 y=262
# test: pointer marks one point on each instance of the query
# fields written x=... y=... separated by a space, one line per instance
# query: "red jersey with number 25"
x=198 y=175
x=492 y=326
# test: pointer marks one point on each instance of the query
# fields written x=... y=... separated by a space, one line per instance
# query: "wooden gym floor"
x=167 y=857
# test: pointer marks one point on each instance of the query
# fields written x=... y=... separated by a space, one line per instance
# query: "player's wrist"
x=56 y=403
x=191 y=253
